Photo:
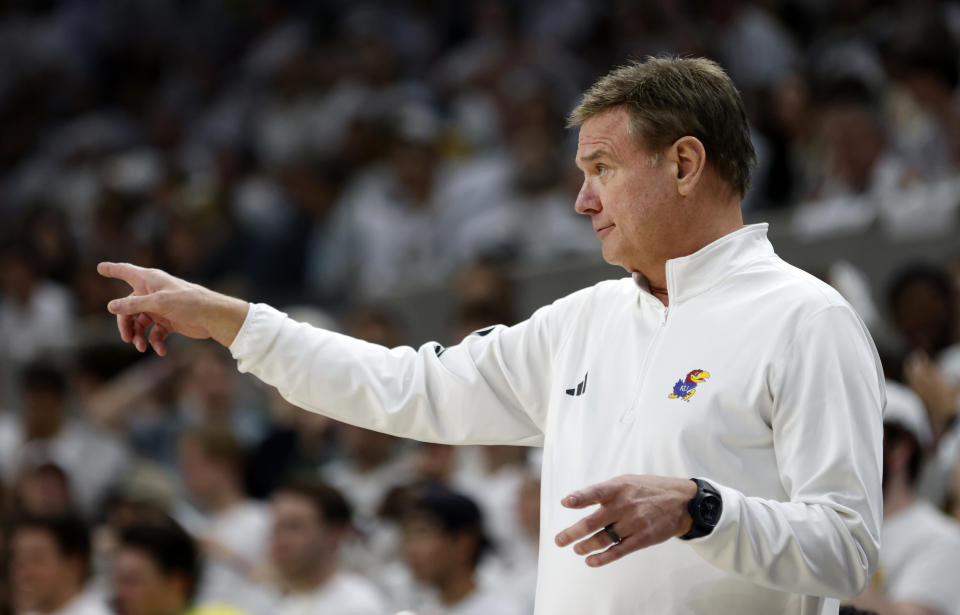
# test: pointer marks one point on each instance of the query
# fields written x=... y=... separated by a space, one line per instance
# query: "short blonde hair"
x=671 y=97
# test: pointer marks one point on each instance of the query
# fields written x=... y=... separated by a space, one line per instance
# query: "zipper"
x=630 y=414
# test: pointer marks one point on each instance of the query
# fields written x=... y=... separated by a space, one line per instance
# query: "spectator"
x=157 y=572
x=496 y=489
x=43 y=490
x=50 y=563
x=231 y=528
x=94 y=461
x=920 y=547
x=443 y=543
x=310 y=523
x=368 y=468
x=210 y=396
x=371 y=462
x=924 y=308
x=36 y=314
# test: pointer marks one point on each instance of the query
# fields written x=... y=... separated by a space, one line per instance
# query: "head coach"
x=711 y=424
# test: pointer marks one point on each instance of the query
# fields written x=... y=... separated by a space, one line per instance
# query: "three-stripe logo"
x=580 y=388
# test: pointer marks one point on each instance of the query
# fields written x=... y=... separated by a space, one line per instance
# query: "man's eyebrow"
x=600 y=153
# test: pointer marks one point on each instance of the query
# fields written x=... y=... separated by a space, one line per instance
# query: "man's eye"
x=601 y=170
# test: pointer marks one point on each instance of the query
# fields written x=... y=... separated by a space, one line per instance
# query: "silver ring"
x=614 y=536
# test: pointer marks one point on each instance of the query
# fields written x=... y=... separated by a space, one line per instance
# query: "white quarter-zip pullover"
x=784 y=420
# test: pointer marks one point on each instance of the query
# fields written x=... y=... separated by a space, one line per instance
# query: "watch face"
x=710 y=509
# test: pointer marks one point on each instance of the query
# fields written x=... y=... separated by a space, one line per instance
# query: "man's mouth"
x=600 y=231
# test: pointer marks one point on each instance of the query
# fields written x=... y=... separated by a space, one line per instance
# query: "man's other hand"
x=641 y=510
x=170 y=305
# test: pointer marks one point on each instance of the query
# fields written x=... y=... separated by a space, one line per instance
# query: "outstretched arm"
x=487 y=390
x=170 y=305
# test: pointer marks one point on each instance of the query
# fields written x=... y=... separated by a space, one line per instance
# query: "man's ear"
x=691 y=159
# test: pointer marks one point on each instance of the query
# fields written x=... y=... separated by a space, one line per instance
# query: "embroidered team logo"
x=684 y=389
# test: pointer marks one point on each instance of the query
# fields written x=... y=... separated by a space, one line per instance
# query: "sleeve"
x=489 y=389
x=827 y=428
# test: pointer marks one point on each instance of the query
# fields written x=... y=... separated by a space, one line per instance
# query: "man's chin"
x=611 y=256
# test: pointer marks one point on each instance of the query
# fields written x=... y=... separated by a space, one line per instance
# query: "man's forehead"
x=603 y=134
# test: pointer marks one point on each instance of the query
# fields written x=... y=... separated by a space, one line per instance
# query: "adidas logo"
x=580 y=389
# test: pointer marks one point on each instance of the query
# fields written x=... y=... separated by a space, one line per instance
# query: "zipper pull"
x=666 y=312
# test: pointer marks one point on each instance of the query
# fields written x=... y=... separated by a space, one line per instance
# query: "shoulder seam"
x=797 y=274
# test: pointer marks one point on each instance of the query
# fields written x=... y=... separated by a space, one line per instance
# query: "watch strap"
x=702 y=526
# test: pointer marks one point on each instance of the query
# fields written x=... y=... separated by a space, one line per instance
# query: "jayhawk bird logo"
x=684 y=389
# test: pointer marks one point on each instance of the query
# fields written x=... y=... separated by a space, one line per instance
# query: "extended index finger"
x=594 y=494
x=131 y=274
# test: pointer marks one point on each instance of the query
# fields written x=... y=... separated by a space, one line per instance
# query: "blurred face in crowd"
x=434 y=461
x=42 y=578
x=212 y=381
x=366 y=448
x=626 y=192
x=44 y=491
x=496 y=457
x=141 y=588
x=16 y=278
x=302 y=543
x=42 y=412
x=203 y=475
x=534 y=153
x=413 y=164
x=924 y=316
x=854 y=142
x=432 y=554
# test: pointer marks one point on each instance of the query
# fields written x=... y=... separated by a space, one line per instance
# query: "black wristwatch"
x=705 y=509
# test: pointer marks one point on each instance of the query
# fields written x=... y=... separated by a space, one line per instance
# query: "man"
x=921 y=546
x=310 y=522
x=49 y=566
x=44 y=430
x=232 y=528
x=443 y=542
x=156 y=571
x=780 y=414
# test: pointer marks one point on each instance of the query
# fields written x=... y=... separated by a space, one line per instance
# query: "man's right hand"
x=171 y=305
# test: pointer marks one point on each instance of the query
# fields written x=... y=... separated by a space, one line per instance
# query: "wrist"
x=688 y=491
x=226 y=317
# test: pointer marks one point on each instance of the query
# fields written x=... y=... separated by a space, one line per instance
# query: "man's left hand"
x=641 y=510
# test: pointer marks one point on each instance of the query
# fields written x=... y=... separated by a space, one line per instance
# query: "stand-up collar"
x=695 y=273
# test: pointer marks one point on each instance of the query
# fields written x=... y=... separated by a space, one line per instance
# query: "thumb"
x=132 y=304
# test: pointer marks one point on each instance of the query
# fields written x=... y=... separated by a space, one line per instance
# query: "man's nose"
x=587 y=200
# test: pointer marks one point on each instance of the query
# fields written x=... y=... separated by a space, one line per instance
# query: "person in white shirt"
x=443 y=542
x=714 y=360
x=920 y=546
x=49 y=565
x=310 y=522
x=95 y=462
x=231 y=528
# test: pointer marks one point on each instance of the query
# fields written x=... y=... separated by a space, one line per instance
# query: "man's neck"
x=61 y=600
x=313 y=581
x=457 y=586
x=709 y=228
x=222 y=501
x=897 y=498
x=43 y=431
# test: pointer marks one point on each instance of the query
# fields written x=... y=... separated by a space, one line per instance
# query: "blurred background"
x=400 y=171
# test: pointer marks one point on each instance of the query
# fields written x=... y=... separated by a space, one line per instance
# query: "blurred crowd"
x=327 y=155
